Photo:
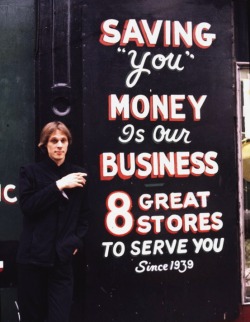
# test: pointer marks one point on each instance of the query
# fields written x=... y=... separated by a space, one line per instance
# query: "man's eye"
x=53 y=141
x=64 y=140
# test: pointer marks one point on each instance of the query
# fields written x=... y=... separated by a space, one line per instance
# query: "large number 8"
x=119 y=205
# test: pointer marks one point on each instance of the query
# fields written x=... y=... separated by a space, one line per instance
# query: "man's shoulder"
x=32 y=165
x=33 y=168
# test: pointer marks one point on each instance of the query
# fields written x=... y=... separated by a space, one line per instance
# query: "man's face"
x=57 y=147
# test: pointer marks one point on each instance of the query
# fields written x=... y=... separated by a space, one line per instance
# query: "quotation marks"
x=190 y=55
x=123 y=50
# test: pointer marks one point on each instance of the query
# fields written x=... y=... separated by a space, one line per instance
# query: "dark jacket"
x=53 y=226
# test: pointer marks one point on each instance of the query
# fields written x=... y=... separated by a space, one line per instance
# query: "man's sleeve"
x=32 y=199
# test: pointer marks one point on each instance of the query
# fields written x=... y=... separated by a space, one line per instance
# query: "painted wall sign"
x=7 y=194
x=160 y=136
x=148 y=90
x=17 y=23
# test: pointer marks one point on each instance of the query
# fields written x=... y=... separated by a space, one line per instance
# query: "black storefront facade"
x=149 y=91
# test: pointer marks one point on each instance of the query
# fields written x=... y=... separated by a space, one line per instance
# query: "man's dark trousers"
x=45 y=293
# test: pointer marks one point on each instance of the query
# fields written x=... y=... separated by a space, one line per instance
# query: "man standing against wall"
x=53 y=199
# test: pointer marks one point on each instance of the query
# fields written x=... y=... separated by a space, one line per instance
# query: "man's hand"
x=72 y=180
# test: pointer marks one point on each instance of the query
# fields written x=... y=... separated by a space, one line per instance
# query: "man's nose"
x=59 y=144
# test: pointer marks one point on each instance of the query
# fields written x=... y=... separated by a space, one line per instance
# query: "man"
x=53 y=199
